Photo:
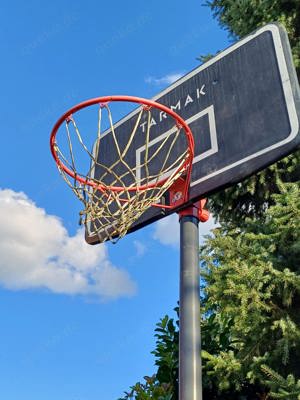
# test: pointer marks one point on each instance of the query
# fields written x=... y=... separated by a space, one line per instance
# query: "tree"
x=240 y=17
x=251 y=264
x=282 y=388
x=253 y=284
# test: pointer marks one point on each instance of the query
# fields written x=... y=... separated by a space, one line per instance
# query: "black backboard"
x=243 y=107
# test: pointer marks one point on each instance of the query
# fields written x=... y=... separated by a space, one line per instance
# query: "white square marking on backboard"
x=209 y=111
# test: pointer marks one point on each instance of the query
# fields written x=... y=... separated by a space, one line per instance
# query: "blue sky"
x=77 y=321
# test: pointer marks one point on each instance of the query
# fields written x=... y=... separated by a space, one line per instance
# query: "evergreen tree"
x=252 y=264
x=253 y=284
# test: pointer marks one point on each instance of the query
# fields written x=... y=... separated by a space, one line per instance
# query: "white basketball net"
x=111 y=209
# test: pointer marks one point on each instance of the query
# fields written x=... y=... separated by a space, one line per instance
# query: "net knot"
x=69 y=119
x=146 y=107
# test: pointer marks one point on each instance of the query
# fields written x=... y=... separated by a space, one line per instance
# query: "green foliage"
x=251 y=198
x=166 y=351
x=150 y=389
x=164 y=384
x=282 y=388
x=240 y=17
x=204 y=58
x=252 y=280
x=225 y=369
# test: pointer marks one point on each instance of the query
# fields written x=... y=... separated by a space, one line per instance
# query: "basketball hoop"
x=120 y=193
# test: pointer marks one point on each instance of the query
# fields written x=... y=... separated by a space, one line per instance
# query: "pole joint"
x=196 y=210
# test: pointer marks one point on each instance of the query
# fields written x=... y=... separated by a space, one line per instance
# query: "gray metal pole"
x=190 y=380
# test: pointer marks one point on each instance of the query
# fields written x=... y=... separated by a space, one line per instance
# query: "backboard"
x=243 y=107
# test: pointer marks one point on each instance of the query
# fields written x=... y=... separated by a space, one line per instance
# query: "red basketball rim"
x=107 y=99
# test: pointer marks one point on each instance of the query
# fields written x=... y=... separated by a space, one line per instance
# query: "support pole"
x=190 y=375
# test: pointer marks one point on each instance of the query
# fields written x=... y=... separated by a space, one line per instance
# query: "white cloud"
x=140 y=248
x=167 y=230
x=37 y=252
x=165 y=80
